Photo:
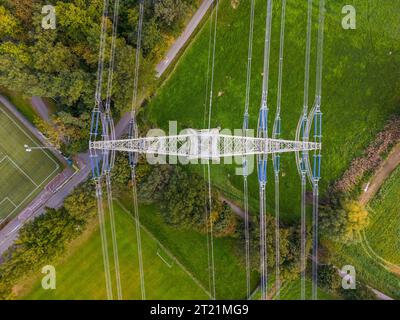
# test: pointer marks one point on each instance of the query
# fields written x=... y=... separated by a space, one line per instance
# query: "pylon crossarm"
x=204 y=144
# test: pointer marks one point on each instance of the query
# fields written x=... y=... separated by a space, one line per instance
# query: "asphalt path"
x=184 y=37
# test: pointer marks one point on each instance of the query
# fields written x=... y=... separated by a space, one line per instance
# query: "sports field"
x=22 y=174
x=360 y=89
x=80 y=274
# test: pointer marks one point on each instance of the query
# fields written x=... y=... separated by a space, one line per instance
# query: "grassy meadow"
x=360 y=88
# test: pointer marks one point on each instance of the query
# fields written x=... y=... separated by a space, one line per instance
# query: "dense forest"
x=62 y=63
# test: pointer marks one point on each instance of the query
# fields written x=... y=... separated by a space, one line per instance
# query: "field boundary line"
x=173 y=257
x=44 y=151
x=379 y=259
x=30 y=138
x=9 y=200
x=162 y=258
x=30 y=194
x=22 y=171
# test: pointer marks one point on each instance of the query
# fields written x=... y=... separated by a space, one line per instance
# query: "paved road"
x=184 y=37
x=41 y=108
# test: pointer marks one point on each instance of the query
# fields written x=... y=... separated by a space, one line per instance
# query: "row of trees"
x=180 y=195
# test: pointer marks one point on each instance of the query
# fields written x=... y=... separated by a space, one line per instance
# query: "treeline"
x=44 y=240
x=62 y=63
x=342 y=216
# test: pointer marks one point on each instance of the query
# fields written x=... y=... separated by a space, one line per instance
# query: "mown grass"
x=291 y=290
x=367 y=268
x=360 y=88
x=21 y=102
x=384 y=228
x=190 y=248
x=80 y=274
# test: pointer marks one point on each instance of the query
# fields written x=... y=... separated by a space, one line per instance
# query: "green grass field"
x=22 y=175
x=81 y=275
x=21 y=103
x=384 y=229
x=377 y=255
x=360 y=89
x=291 y=290
x=191 y=250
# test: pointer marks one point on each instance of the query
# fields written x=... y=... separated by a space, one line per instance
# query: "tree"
x=81 y=203
x=328 y=277
x=9 y=25
x=53 y=133
x=170 y=12
x=75 y=131
x=224 y=222
x=344 y=222
x=40 y=242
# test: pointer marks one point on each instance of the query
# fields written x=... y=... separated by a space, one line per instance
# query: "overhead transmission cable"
x=211 y=238
x=316 y=174
x=133 y=157
x=244 y=158
x=262 y=159
x=302 y=132
x=276 y=132
x=108 y=159
x=206 y=201
x=94 y=157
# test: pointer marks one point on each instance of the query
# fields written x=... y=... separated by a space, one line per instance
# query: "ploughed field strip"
x=22 y=174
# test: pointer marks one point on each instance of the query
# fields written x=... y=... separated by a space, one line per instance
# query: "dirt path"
x=381 y=175
x=388 y=166
x=41 y=108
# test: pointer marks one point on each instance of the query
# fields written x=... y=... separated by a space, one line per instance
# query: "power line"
x=94 y=157
x=316 y=174
x=244 y=159
x=204 y=166
x=302 y=161
x=276 y=157
x=108 y=159
x=262 y=159
x=133 y=132
x=213 y=290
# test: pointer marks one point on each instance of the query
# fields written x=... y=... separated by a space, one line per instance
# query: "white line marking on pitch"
x=169 y=265
x=9 y=200
x=22 y=171
x=45 y=151
x=30 y=138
